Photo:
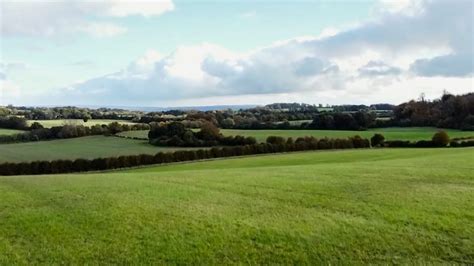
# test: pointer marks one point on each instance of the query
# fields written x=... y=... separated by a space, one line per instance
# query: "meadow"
x=5 y=131
x=90 y=147
x=62 y=122
x=379 y=206
x=395 y=133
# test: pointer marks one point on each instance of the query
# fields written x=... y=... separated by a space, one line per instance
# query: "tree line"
x=176 y=134
x=13 y=122
x=69 y=112
x=38 y=132
x=450 y=111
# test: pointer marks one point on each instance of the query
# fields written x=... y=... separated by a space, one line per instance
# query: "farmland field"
x=395 y=133
x=5 y=131
x=84 y=147
x=143 y=134
x=379 y=206
x=62 y=122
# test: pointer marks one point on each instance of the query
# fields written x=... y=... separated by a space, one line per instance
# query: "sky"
x=189 y=53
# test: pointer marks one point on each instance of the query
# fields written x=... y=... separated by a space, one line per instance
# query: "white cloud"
x=48 y=18
x=102 y=29
x=409 y=7
x=378 y=68
x=391 y=52
x=147 y=8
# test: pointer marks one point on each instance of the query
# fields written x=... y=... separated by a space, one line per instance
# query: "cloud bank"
x=407 y=48
x=434 y=39
x=49 y=18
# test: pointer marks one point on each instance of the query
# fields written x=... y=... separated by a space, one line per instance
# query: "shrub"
x=275 y=140
x=377 y=140
x=36 y=125
x=359 y=142
x=440 y=139
x=424 y=144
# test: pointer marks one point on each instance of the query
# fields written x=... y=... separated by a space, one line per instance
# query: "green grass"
x=396 y=133
x=411 y=133
x=62 y=122
x=85 y=147
x=379 y=206
x=5 y=131
x=135 y=134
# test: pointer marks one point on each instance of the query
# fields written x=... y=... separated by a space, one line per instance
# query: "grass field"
x=379 y=206
x=5 y=131
x=85 y=147
x=62 y=122
x=412 y=133
x=135 y=134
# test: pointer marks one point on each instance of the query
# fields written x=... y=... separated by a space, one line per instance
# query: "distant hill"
x=182 y=108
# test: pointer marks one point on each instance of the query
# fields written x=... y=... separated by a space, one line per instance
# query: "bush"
x=377 y=140
x=36 y=125
x=13 y=122
x=440 y=139
x=275 y=140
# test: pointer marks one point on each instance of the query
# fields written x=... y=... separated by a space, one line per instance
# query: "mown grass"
x=396 y=133
x=379 y=206
x=5 y=131
x=85 y=147
x=62 y=122
x=143 y=134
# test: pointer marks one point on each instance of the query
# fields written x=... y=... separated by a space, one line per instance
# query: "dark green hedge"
x=83 y=165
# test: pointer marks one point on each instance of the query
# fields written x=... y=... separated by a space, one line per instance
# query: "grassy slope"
x=85 y=147
x=62 y=122
x=4 y=131
x=413 y=133
x=135 y=133
x=390 y=205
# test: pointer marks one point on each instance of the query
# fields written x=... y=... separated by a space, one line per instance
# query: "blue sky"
x=171 y=53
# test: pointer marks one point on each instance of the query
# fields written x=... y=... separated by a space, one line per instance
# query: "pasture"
x=143 y=134
x=62 y=122
x=85 y=147
x=379 y=206
x=6 y=131
x=395 y=133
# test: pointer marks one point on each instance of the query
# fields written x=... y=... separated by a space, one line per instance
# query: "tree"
x=377 y=140
x=228 y=123
x=115 y=128
x=440 y=138
x=86 y=118
x=209 y=132
x=36 y=125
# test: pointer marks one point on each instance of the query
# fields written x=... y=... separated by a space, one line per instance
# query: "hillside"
x=379 y=206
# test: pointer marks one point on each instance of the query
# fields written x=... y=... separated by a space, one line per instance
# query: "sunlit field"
x=366 y=206
x=62 y=122
x=5 y=131
x=85 y=147
x=395 y=133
